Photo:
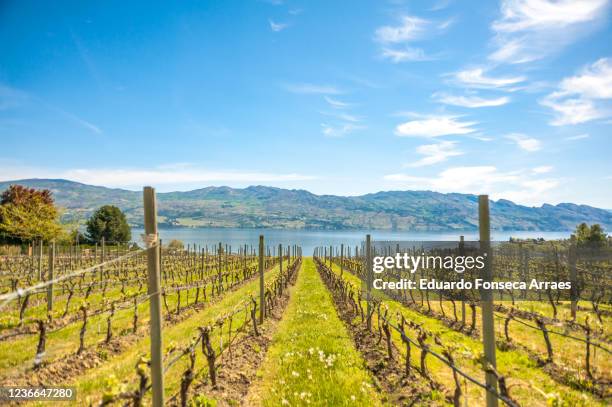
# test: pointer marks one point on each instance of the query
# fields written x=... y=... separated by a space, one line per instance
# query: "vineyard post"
x=280 y=262
x=219 y=271
x=341 y=256
x=573 y=276
x=102 y=259
x=368 y=273
x=488 y=327
x=50 y=276
x=40 y=256
x=261 y=280
x=150 y=218
x=461 y=253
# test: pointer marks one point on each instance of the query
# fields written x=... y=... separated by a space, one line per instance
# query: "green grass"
x=528 y=382
x=312 y=359
x=120 y=368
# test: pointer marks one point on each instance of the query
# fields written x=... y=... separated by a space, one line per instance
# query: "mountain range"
x=262 y=206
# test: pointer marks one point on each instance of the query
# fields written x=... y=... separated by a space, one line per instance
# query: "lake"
x=309 y=239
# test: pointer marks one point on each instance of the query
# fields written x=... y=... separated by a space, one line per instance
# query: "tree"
x=27 y=214
x=590 y=236
x=108 y=222
x=176 y=245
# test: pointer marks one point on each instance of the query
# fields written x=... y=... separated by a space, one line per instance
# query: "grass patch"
x=312 y=359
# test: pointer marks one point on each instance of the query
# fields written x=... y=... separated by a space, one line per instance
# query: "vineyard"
x=149 y=324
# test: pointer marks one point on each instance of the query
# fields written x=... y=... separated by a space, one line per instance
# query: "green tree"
x=176 y=245
x=590 y=236
x=27 y=214
x=108 y=222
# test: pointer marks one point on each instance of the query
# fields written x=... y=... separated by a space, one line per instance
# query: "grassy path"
x=312 y=359
x=530 y=385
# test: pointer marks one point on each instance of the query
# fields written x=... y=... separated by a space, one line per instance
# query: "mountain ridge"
x=263 y=206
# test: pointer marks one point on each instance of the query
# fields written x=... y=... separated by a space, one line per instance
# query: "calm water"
x=309 y=239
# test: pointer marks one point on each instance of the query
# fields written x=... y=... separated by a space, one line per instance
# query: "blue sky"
x=512 y=98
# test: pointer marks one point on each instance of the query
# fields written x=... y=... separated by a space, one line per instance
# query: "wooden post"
x=280 y=263
x=368 y=272
x=102 y=259
x=157 y=375
x=488 y=326
x=262 y=308
x=219 y=270
x=341 y=257
x=573 y=276
x=40 y=257
x=462 y=253
x=50 y=276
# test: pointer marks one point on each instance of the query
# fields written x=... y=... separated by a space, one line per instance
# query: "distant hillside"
x=260 y=206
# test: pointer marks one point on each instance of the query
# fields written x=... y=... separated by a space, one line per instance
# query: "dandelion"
x=295 y=374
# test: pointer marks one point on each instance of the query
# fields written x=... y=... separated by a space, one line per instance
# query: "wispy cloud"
x=340 y=130
x=469 y=101
x=11 y=98
x=335 y=103
x=583 y=97
x=435 y=126
x=543 y=169
x=577 y=137
x=406 y=54
x=344 y=116
x=394 y=39
x=478 y=78
x=175 y=174
x=435 y=153
x=524 y=142
x=409 y=28
x=520 y=186
x=310 y=88
x=532 y=29
x=276 y=27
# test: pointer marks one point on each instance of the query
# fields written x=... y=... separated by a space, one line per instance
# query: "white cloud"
x=343 y=116
x=519 y=186
x=409 y=29
x=405 y=54
x=394 y=39
x=583 y=97
x=335 y=103
x=181 y=174
x=578 y=137
x=276 y=27
x=434 y=126
x=531 y=29
x=477 y=78
x=309 y=88
x=543 y=169
x=470 y=101
x=435 y=153
x=341 y=130
x=525 y=143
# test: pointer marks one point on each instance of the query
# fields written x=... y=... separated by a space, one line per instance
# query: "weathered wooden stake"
x=488 y=326
x=573 y=276
x=262 y=306
x=368 y=272
x=150 y=218
x=50 y=277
